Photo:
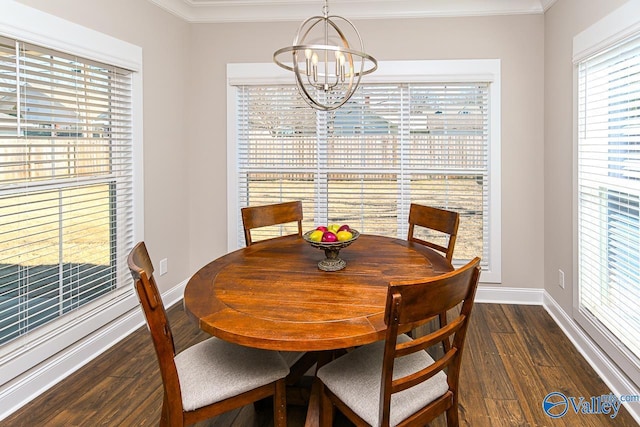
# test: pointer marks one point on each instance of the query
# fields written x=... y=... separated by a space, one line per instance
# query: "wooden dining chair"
x=445 y=223
x=441 y=220
x=267 y=215
x=395 y=381
x=211 y=377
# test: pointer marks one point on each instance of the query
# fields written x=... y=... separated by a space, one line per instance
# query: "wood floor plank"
x=528 y=389
x=505 y=413
x=472 y=409
x=538 y=333
x=495 y=381
x=493 y=316
x=514 y=356
x=147 y=412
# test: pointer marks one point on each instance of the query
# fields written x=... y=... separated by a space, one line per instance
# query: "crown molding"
x=218 y=11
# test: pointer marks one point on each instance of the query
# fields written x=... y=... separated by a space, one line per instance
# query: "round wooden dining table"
x=272 y=295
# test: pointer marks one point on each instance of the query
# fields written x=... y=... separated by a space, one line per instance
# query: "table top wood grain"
x=272 y=295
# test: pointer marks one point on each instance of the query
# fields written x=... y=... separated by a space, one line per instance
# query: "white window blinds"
x=609 y=193
x=365 y=163
x=65 y=183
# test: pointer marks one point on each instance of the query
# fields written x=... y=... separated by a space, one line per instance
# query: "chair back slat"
x=444 y=292
x=267 y=215
x=140 y=261
x=416 y=378
x=426 y=341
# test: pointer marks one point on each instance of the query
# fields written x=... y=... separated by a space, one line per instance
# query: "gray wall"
x=564 y=20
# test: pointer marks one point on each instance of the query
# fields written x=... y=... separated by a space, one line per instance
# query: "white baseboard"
x=36 y=381
x=498 y=295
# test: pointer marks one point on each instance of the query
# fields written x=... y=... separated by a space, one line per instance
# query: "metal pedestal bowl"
x=332 y=260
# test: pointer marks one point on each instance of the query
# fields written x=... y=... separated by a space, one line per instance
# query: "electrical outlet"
x=561 y=278
x=163 y=266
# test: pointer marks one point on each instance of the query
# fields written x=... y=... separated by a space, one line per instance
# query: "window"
x=395 y=142
x=609 y=193
x=66 y=183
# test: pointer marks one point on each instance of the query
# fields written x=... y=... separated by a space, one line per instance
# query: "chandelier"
x=327 y=67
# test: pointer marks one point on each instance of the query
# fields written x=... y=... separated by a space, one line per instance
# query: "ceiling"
x=208 y=11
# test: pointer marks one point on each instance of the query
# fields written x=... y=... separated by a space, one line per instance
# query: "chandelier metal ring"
x=302 y=48
x=326 y=75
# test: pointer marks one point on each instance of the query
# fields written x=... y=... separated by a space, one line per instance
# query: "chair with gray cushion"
x=395 y=382
x=211 y=377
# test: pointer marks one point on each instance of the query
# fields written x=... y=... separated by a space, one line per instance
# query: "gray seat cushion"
x=355 y=378
x=214 y=370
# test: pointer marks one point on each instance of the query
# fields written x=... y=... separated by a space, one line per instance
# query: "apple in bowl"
x=329 y=237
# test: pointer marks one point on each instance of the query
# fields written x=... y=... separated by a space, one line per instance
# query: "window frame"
x=419 y=71
x=609 y=31
x=39 y=28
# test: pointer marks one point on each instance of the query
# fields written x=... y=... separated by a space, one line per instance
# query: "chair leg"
x=443 y=322
x=164 y=415
x=169 y=418
x=280 y=404
x=326 y=409
x=452 y=416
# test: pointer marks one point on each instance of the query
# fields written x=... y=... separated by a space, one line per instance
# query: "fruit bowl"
x=331 y=262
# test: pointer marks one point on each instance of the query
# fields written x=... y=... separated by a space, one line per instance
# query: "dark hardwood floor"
x=514 y=356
